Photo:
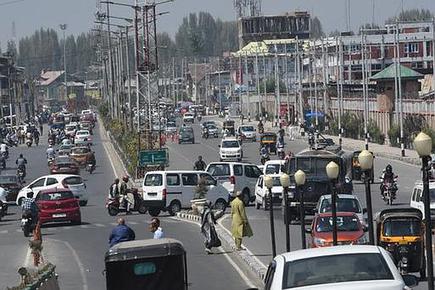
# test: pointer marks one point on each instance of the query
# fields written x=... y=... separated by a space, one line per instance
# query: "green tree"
x=412 y=15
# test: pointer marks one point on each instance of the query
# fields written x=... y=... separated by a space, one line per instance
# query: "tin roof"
x=390 y=73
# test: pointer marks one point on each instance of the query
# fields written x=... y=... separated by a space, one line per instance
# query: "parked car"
x=64 y=165
x=350 y=230
x=345 y=203
x=173 y=190
x=67 y=181
x=83 y=138
x=230 y=149
x=338 y=268
x=262 y=192
x=58 y=205
x=247 y=132
x=188 y=118
x=11 y=184
x=236 y=176
x=417 y=198
x=79 y=154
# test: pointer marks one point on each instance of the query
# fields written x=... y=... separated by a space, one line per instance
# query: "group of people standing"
x=123 y=233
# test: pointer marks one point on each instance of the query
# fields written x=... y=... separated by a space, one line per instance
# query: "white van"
x=236 y=176
x=274 y=167
x=417 y=198
x=173 y=190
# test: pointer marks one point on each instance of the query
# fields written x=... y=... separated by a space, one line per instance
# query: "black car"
x=11 y=184
x=186 y=136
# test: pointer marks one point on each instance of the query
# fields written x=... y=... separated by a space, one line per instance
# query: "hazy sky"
x=30 y=15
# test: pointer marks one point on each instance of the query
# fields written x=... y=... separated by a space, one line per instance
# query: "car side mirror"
x=308 y=231
x=410 y=280
x=219 y=146
x=364 y=210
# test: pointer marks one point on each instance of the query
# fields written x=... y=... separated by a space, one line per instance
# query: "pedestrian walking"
x=208 y=230
x=239 y=225
x=156 y=229
x=121 y=233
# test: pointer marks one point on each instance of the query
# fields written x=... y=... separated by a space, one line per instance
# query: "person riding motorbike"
x=205 y=132
x=4 y=150
x=36 y=136
x=388 y=177
x=114 y=189
x=260 y=127
x=123 y=190
x=199 y=164
x=90 y=159
x=51 y=153
x=29 y=204
x=21 y=163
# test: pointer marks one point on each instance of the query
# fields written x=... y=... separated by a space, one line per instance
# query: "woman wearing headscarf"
x=208 y=229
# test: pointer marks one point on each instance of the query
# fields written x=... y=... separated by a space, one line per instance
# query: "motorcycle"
x=51 y=141
x=280 y=151
x=29 y=142
x=2 y=210
x=264 y=158
x=27 y=223
x=50 y=160
x=260 y=129
x=204 y=134
x=36 y=141
x=199 y=118
x=21 y=173
x=5 y=154
x=115 y=206
x=389 y=191
x=3 y=161
x=90 y=168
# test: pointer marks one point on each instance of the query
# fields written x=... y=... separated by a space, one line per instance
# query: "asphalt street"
x=183 y=156
x=78 y=251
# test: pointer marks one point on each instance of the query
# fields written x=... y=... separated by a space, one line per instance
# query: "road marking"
x=220 y=221
x=133 y=223
x=84 y=227
x=4 y=232
x=229 y=259
x=27 y=261
x=114 y=224
x=100 y=225
x=79 y=263
x=67 y=228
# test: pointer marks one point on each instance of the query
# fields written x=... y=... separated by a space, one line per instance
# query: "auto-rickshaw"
x=146 y=265
x=268 y=139
x=400 y=231
x=229 y=125
x=357 y=173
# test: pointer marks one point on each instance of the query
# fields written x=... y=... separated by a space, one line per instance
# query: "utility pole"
x=111 y=68
x=127 y=53
x=277 y=92
x=299 y=69
x=257 y=75
x=247 y=87
x=363 y=52
x=399 y=70
x=433 y=54
x=337 y=81
x=63 y=28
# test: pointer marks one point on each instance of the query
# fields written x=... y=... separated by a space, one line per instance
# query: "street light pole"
x=63 y=28
x=365 y=159
x=332 y=170
x=285 y=182
x=268 y=181
x=423 y=145
x=300 y=178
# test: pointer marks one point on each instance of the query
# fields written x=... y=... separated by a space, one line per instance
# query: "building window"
x=411 y=48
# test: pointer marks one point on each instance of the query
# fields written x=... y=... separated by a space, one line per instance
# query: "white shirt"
x=3 y=194
x=158 y=234
x=50 y=152
x=3 y=147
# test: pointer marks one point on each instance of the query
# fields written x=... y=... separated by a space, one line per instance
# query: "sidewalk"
x=385 y=151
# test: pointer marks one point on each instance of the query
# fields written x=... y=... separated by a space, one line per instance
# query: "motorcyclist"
x=29 y=136
x=36 y=136
x=90 y=159
x=388 y=177
x=51 y=153
x=205 y=132
x=123 y=190
x=260 y=127
x=4 y=150
x=263 y=151
x=114 y=189
x=21 y=163
x=199 y=164
x=29 y=204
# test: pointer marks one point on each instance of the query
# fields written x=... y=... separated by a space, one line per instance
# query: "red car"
x=350 y=231
x=64 y=165
x=58 y=205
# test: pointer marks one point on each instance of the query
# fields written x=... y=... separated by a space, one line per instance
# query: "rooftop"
x=389 y=73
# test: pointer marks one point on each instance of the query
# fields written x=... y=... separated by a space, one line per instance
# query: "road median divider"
x=44 y=278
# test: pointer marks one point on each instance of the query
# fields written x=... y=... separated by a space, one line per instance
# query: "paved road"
x=78 y=251
x=182 y=157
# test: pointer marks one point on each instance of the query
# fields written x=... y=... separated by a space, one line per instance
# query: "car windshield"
x=83 y=150
x=211 y=126
x=171 y=124
x=347 y=268
x=247 y=129
x=230 y=144
x=344 y=224
x=343 y=205
x=83 y=133
x=273 y=168
x=399 y=227
x=8 y=179
x=52 y=196
x=73 y=180
x=153 y=180
x=219 y=169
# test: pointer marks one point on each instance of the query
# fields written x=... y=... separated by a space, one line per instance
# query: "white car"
x=83 y=137
x=339 y=268
x=188 y=118
x=345 y=203
x=274 y=167
x=74 y=183
x=71 y=128
x=236 y=176
x=247 y=132
x=261 y=192
x=230 y=149
x=417 y=200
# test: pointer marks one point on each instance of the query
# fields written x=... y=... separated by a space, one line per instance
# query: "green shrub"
x=394 y=135
x=375 y=132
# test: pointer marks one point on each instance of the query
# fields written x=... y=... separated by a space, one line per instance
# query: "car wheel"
x=113 y=211
x=174 y=207
x=154 y=212
x=20 y=201
x=142 y=208
x=257 y=205
x=220 y=204
x=83 y=202
x=77 y=222
x=246 y=197
x=264 y=204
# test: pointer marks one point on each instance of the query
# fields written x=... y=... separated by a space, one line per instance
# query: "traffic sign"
x=153 y=157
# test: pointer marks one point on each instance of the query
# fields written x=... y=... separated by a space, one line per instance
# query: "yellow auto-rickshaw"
x=400 y=231
x=268 y=139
